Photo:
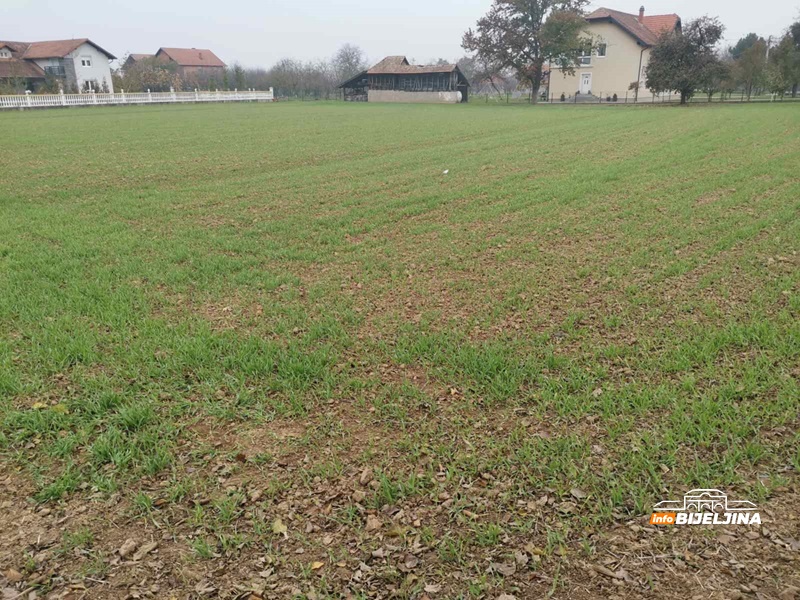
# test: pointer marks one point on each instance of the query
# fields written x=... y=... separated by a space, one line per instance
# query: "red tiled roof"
x=59 y=48
x=13 y=67
x=647 y=33
x=192 y=57
x=398 y=65
x=659 y=24
x=140 y=56
x=15 y=47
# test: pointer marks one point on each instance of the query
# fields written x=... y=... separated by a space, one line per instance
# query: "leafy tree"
x=794 y=34
x=714 y=77
x=684 y=61
x=743 y=44
x=51 y=85
x=750 y=67
x=238 y=76
x=783 y=68
x=148 y=74
x=525 y=34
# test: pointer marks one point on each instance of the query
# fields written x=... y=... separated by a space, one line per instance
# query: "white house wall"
x=611 y=74
x=99 y=71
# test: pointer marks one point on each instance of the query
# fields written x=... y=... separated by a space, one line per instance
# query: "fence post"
x=62 y=96
x=172 y=95
x=123 y=96
x=28 y=97
x=94 y=97
x=149 y=96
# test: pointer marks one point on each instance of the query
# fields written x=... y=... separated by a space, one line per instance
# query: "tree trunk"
x=684 y=97
x=536 y=80
x=794 y=90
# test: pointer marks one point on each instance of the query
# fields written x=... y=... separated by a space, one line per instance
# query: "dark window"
x=57 y=71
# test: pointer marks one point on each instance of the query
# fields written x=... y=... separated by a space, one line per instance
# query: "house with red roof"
x=198 y=65
x=618 y=63
x=75 y=65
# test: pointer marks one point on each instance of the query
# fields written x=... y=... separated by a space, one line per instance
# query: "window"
x=586 y=55
x=55 y=71
x=5 y=53
x=601 y=50
x=86 y=61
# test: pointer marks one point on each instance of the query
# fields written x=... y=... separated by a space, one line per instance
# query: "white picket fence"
x=29 y=100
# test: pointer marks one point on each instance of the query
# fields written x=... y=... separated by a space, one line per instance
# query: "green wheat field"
x=363 y=350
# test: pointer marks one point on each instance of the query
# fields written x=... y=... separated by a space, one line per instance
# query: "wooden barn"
x=395 y=80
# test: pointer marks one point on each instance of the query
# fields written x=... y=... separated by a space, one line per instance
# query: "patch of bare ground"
x=714 y=196
x=401 y=548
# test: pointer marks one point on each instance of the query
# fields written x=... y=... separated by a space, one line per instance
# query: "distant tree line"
x=288 y=77
x=691 y=61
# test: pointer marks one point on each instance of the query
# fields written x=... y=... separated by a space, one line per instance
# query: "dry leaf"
x=127 y=547
x=373 y=523
x=279 y=528
x=578 y=493
x=144 y=550
x=503 y=569
x=13 y=576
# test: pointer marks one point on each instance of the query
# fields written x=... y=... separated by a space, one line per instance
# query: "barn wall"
x=429 y=97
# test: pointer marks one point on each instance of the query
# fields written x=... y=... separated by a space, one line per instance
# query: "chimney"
x=641 y=14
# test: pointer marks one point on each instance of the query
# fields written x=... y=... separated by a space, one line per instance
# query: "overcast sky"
x=259 y=32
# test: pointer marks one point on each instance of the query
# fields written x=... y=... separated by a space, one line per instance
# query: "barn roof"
x=354 y=79
x=399 y=65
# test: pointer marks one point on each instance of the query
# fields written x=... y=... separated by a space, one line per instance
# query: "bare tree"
x=348 y=61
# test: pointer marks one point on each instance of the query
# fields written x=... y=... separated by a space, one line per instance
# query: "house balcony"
x=56 y=71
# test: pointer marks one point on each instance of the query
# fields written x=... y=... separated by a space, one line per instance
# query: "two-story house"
x=78 y=65
x=618 y=64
